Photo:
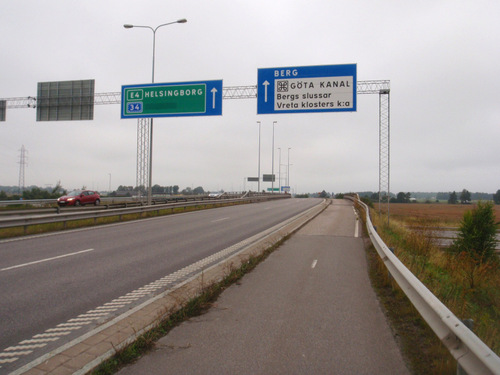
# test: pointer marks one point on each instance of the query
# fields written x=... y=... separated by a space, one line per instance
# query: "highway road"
x=55 y=287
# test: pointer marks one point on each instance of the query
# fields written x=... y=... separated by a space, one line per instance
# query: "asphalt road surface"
x=307 y=309
x=51 y=279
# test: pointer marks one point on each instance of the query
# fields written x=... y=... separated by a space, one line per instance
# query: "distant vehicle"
x=79 y=198
x=214 y=195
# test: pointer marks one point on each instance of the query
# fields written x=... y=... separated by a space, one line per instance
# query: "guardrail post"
x=389 y=272
x=469 y=323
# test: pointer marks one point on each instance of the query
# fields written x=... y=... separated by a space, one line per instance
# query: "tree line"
x=463 y=197
x=32 y=192
x=156 y=189
x=466 y=197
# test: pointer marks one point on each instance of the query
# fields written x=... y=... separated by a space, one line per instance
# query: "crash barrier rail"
x=117 y=201
x=26 y=221
x=472 y=355
x=106 y=203
x=49 y=205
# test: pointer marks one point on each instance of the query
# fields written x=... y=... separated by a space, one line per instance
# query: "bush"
x=477 y=234
x=367 y=201
x=301 y=195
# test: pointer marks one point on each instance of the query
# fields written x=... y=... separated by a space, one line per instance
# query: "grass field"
x=470 y=292
x=442 y=214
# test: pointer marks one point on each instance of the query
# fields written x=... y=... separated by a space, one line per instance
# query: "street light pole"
x=272 y=168
x=128 y=26
x=258 y=170
x=279 y=170
x=288 y=169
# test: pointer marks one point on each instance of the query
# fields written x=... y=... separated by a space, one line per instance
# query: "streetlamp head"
x=127 y=26
x=183 y=20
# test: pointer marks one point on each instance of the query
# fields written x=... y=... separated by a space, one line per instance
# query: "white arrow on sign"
x=214 y=90
x=265 y=83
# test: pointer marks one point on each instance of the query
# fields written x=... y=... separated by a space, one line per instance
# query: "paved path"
x=308 y=309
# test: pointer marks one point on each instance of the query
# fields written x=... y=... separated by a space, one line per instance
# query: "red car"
x=79 y=198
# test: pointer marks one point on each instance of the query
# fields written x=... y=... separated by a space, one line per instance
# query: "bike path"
x=308 y=308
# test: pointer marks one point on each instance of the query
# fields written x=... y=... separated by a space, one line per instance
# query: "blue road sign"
x=325 y=88
x=200 y=98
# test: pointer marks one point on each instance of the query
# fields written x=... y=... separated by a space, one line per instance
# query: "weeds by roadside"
x=448 y=278
x=192 y=308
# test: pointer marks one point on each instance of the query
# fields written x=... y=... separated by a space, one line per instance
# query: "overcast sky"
x=442 y=59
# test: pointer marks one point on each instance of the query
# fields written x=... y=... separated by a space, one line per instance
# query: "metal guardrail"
x=473 y=355
x=22 y=202
x=25 y=221
x=48 y=206
x=120 y=200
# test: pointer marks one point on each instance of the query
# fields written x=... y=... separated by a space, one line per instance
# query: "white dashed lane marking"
x=45 y=260
x=221 y=219
x=356 y=224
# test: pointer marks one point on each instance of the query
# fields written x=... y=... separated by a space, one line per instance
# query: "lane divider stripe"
x=45 y=260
